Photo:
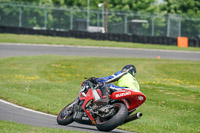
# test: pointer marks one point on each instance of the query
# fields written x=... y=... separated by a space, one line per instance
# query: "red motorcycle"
x=84 y=110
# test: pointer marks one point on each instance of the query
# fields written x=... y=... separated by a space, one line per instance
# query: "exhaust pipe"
x=135 y=116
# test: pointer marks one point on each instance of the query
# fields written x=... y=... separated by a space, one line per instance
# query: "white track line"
x=20 y=107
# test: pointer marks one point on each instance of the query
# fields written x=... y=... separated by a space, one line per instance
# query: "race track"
x=19 y=114
x=12 y=112
x=9 y=50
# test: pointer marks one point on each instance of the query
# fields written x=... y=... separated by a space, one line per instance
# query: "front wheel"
x=120 y=114
x=65 y=117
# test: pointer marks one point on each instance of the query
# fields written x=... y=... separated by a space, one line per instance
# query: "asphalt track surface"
x=11 y=112
x=9 y=50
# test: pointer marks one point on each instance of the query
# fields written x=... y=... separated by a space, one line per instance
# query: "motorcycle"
x=117 y=112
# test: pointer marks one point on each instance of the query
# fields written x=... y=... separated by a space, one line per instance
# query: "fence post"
x=168 y=26
x=20 y=16
x=71 y=19
x=103 y=16
x=98 y=19
x=125 y=24
x=179 y=27
x=45 y=18
x=152 y=26
x=88 y=13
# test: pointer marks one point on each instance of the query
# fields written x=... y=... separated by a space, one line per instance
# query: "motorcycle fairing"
x=89 y=96
x=134 y=98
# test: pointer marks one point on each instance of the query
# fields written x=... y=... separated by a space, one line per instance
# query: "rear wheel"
x=65 y=117
x=119 y=115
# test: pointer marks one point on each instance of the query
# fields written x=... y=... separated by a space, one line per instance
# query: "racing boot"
x=103 y=101
x=105 y=97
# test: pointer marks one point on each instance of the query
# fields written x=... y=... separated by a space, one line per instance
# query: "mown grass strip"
x=38 y=39
x=13 y=127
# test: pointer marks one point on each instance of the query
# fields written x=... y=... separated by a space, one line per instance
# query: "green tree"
x=184 y=7
x=187 y=11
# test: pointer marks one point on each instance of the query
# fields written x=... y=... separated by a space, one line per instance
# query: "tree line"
x=182 y=7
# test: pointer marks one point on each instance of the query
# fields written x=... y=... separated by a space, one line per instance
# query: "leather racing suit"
x=124 y=80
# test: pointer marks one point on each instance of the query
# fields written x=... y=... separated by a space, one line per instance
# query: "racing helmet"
x=130 y=69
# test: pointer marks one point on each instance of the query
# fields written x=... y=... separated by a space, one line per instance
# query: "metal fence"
x=64 y=19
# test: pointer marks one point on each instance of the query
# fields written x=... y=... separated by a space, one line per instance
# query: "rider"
x=125 y=79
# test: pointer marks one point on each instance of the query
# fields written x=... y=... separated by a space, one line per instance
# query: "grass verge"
x=48 y=83
x=13 y=127
x=38 y=39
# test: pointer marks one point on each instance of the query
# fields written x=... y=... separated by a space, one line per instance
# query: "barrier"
x=182 y=42
x=102 y=36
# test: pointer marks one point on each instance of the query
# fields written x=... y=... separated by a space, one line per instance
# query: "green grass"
x=38 y=39
x=48 y=83
x=13 y=127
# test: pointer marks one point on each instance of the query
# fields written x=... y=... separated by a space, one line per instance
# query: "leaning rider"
x=125 y=79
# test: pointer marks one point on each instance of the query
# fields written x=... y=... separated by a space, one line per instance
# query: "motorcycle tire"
x=117 y=119
x=64 y=117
